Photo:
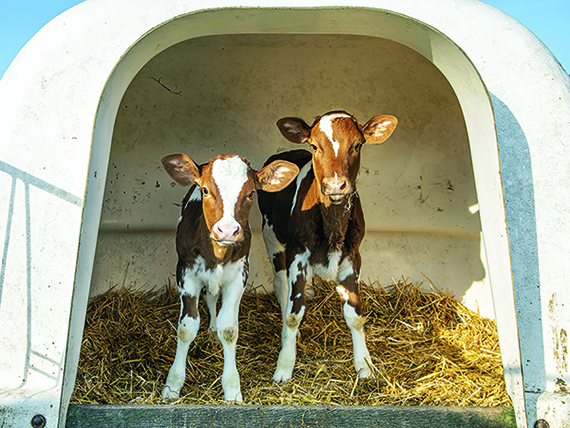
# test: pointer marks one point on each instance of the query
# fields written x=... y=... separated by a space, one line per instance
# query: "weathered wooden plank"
x=184 y=416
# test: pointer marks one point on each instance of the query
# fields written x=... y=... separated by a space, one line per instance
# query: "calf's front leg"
x=299 y=272
x=188 y=325
x=211 y=302
x=228 y=328
x=352 y=311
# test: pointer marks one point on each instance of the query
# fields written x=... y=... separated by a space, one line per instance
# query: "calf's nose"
x=227 y=232
x=335 y=186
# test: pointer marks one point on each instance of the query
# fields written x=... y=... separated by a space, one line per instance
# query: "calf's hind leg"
x=276 y=253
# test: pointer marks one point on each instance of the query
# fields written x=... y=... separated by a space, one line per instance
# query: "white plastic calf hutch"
x=471 y=189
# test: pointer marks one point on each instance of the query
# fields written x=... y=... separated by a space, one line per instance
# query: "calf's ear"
x=181 y=169
x=379 y=128
x=294 y=129
x=276 y=176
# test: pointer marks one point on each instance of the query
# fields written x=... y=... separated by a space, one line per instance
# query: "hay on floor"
x=428 y=349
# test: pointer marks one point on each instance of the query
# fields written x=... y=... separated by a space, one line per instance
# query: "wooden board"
x=185 y=416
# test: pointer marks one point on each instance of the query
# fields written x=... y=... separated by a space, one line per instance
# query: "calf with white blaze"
x=213 y=241
x=315 y=225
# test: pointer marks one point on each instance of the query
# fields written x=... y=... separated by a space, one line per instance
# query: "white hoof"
x=282 y=375
x=364 y=373
x=233 y=396
x=169 y=394
x=364 y=368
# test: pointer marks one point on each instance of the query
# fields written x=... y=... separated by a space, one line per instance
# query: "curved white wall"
x=224 y=93
x=61 y=96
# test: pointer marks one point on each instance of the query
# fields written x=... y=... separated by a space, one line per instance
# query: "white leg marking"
x=343 y=292
x=291 y=322
x=211 y=301
x=281 y=289
x=345 y=270
x=288 y=354
x=216 y=278
x=187 y=329
x=273 y=247
x=227 y=324
x=362 y=361
x=302 y=261
x=191 y=284
x=329 y=272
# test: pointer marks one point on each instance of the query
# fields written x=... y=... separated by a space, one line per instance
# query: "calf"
x=212 y=242
x=315 y=225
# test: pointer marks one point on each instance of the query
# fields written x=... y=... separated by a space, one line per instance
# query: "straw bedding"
x=427 y=349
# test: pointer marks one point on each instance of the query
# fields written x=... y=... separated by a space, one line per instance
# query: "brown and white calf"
x=213 y=241
x=315 y=225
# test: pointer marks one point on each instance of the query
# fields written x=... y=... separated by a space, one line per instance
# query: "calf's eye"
x=251 y=194
x=314 y=147
x=357 y=146
x=205 y=191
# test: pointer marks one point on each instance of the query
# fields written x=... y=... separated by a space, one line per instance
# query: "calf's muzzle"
x=336 y=189
x=227 y=233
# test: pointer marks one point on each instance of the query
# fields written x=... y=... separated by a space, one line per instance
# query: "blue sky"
x=548 y=19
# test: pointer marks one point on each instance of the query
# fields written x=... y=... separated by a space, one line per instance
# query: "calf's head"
x=227 y=184
x=336 y=139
